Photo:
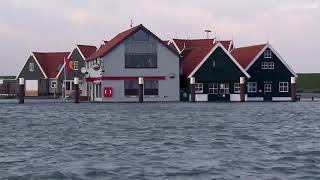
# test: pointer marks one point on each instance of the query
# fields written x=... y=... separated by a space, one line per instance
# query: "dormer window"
x=268 y=54
x=31 y=67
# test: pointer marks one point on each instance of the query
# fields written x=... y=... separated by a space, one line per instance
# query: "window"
x=224 y=89
x=213 y=64
x=252 y=87
x=213 y=88
x=236 y=87
x=31 y=67
x=69 y=85
x=267 y=88
x=264 y=65
x=98 y=90
x=75 y=65
x=151 y=87
x=199 y=87
x=141 y=61
x=268 y=54
x=283 y=87
x=53 y=84
x=140 y=36
x=271 y=65
x=131 y=87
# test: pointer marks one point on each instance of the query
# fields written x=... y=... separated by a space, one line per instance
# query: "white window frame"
x=236 y=88
x=53 y=84
x=198 y=88
x=71 y=85
x=75 y=65
x=224 y=89
x=213 y=88
x=264 y=65
x=283 y=87
x=252 y=87
x=271 y=65
x=31 y=67
x=268 y=54
x=268 y=88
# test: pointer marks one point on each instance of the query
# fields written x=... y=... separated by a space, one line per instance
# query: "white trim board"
x=283 y=99
x=175 y=45
x=36 y=60
x=275 y=53
x=210 y=53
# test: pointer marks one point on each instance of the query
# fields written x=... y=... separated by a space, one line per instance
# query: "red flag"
x=68 y=65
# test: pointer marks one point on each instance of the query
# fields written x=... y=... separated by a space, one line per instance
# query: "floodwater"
x=48 y=141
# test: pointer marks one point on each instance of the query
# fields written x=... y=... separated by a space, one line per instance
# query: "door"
x=268 y=92
x=31 y=88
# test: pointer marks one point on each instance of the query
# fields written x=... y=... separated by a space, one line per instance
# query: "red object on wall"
x=107 y=92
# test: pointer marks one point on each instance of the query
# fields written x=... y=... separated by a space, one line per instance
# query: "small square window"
x=283 y=87
x=199 y=88
x=267 y=88
x=213 y=88
x=268 y=54
x=264 y=65
x=252 y=87
x=271 y=65
x=75 y=65
x=224 y=89
x=236 y=87
x=31 y=67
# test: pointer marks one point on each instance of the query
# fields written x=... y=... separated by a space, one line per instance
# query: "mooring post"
x=76 y=90
x=21 y=91
x=193 y=89
x=293 y=89
x=242 y=89
x=141 y=83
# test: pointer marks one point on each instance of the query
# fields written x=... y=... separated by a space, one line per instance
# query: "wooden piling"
x=242 y=89
x=192 y=89
x=76 y=90
x=21 y=91
x=293 y=89
x=141 y=84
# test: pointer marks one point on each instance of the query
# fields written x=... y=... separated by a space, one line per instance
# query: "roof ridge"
x=251 y=46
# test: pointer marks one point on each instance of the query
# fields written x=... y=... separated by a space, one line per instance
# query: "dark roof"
x=87 y=50
x=118 y=39
x=51 y=62
x=245 y=55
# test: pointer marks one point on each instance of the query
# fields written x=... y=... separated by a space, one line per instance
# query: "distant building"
x=8 y=86
x=114 y=69
x=270 y=74
x=216 y=72
x=42 y=73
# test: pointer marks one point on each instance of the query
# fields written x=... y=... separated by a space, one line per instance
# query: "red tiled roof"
x=51 y=62
x=193 y=57
x=118 y=39
x=194 y=52
x=190 y=43
x=245 y=55
x=87 y=50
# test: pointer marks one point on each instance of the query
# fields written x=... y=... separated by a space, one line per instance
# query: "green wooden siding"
x=280 y=73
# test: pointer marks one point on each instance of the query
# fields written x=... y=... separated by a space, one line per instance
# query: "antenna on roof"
x=208 y=33
x=131 y=23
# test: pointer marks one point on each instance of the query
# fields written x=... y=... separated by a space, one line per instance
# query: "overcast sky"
x=291 y=26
